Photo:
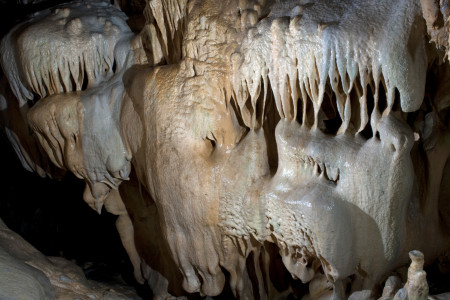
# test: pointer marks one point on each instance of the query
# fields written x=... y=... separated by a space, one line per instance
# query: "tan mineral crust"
x=257 y=147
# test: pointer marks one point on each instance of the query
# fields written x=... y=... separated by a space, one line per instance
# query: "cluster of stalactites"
x=163 y=31
x=69 y=48
x=436 y=15
x=293 y=57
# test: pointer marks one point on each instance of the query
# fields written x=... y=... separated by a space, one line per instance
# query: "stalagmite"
x=416 y=288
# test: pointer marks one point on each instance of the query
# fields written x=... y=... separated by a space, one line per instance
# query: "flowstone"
x=275 y=147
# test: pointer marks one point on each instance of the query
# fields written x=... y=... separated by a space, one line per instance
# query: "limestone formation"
x=25 y=273
x=273 y=147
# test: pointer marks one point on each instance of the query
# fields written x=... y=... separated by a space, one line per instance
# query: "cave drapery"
x=263 y=147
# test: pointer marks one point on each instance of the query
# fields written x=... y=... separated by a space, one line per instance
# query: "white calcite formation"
x=245 y=143
x=59 y=50
x=81 y=86
x=25 y=273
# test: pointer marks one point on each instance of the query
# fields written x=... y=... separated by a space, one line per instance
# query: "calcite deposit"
x=264 y=147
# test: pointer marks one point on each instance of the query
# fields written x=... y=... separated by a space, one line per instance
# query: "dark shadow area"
x=438 y=277
x=11 y=13
x=52 y=216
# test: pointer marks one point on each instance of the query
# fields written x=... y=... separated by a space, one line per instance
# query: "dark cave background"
x=52 y=216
